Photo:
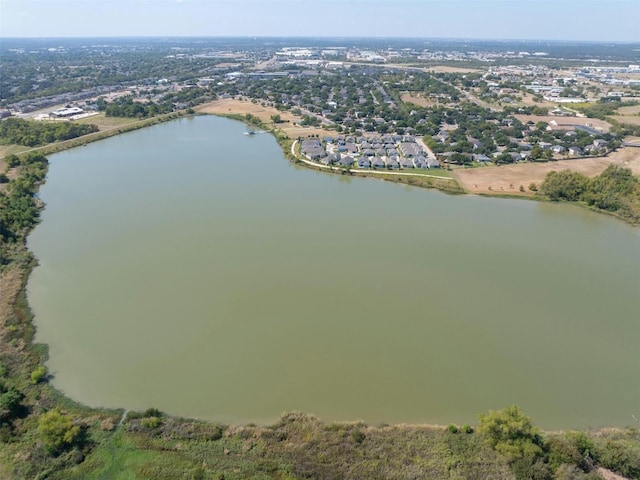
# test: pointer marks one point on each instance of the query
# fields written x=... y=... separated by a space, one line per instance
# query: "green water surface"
x=192 y=268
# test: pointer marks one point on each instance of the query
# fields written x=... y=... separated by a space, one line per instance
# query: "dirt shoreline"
x=507 y=179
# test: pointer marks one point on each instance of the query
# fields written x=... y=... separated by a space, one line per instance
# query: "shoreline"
x=450 y=185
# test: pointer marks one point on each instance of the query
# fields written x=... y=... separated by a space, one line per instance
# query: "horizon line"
x=350 y=37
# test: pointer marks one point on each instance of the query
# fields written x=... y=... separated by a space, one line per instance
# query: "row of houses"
x=390 y=152
x=26 y=106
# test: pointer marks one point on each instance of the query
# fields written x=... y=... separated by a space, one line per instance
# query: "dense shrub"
x=38 y=374
x=614 y=190
x=511 y=433
x=620 y=456
x=32 y=133
x=57 y=431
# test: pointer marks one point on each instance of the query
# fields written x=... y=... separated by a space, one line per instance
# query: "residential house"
x=406 y=162
x=377 y=162
x=364 y=163
x=575 y=151
x=481 y=158
x=432 y=163
x=345 y=161
x=392 y=163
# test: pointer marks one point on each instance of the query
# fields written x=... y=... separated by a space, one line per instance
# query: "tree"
x=504 y=158
x=276 y=118
x=12 y=160
x=511 y=433
x=10 y=403
x=536 y=152
x=564 y=185
x=57 y=431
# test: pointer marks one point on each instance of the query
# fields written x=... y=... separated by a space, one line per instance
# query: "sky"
x=573 y=20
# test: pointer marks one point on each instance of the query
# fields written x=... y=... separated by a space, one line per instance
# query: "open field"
x=631 y=120
x=506 y=179
x=605 y=126
x=634 y=110
x=448 y=69
x=105 y=123
x=8 y=150
x=417 y=99
x=229 y=106
x=527 y=99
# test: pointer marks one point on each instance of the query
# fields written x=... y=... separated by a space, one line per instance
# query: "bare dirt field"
x=527 y=99
x=609 y=475
x=417 y=99
x=447 y=69
x=565 y=120
x=242 y=107
x=631 y=120
x=506 y=179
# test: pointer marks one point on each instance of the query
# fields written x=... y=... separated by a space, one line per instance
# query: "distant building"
x=66 y=112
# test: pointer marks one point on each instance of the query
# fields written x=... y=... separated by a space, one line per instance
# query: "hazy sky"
x=615 y=20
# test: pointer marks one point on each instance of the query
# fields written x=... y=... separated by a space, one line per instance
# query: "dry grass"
x=10 y=283
x=506 y=179
x=242 y=107
x=11 y=174
x=417 y=99
x=527 y=99
x=447 y=69
x=8 y=150
x=605 y=126
x=609 y=475
x=634 y=110
x=631 y=120
x=106 y=123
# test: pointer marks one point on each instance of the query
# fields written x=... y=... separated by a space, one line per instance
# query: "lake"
x=194 y=269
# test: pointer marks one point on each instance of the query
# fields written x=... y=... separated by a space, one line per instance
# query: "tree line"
x=31 y=133
x=18 y=207
x=615 y=190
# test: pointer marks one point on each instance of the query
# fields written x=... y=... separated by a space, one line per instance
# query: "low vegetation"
x=616 y=190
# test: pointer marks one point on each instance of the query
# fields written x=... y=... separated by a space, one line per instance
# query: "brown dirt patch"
x=527 y=99
x=609 y=475
x=506 y=179
x=11 y=174
x=605 y=126
x=242 y=107
x=446 y=69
